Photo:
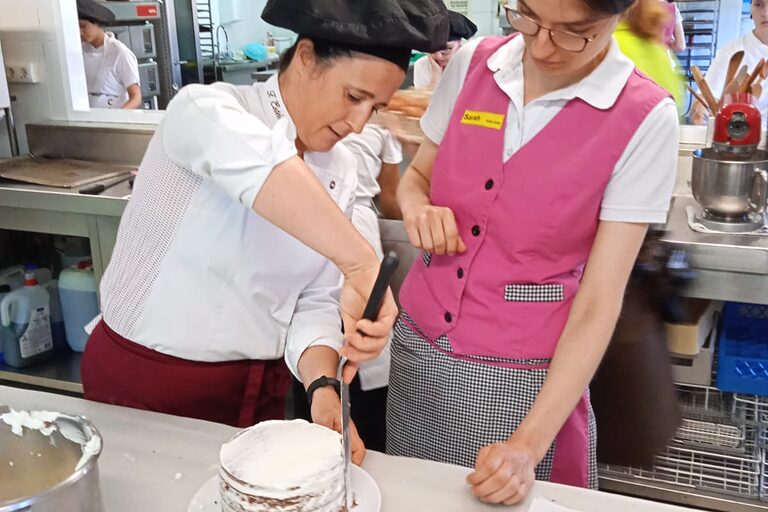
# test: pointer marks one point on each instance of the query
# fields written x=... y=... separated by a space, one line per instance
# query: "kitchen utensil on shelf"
x=733 y=65
x=98 y=188
x=753 y=76
x=706 y=92
x=386 y=271
x=735 y=83
x=698 y=98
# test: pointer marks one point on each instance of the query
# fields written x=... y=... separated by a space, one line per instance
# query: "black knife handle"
x=386 y=271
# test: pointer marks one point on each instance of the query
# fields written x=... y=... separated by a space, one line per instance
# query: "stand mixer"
x=730 y=179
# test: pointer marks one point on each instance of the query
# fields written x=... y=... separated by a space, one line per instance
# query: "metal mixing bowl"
x=37 y=472
x=730 y=186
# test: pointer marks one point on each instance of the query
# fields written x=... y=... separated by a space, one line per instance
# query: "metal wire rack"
x=750 y=409
x=702 y=469
x=704 y=403
x=712 y=435
x=764 y=477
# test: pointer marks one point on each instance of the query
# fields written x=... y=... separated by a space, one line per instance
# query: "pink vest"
x=528 y=224
x=669 y=28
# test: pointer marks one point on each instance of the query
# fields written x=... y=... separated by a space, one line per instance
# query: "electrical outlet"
x=23 y=73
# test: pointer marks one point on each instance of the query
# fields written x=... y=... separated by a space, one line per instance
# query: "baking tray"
x=60 y=172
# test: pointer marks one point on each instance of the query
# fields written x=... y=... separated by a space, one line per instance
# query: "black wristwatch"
x=319 y=383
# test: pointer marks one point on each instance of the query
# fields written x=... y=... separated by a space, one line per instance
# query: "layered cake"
x=286 y=466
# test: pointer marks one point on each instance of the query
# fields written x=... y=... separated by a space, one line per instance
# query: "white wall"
x=28 y=35
x=729 y=27
x=242 y=20
x=483 y=14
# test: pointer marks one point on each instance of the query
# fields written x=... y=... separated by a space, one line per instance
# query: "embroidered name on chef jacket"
x=483 y=119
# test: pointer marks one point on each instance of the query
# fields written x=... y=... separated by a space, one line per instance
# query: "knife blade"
x=386 y=271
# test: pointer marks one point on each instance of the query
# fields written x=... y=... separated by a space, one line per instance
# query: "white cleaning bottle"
x=25 y=313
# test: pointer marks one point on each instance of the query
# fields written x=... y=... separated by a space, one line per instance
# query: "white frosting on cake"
x=297 y=463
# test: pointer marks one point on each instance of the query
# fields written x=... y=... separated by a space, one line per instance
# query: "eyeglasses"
x=564 y=40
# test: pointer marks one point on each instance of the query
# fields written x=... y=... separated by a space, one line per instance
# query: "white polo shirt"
x=196 y=273
x=644 y=176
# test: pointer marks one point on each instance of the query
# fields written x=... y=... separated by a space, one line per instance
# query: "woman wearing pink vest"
x=546 y=157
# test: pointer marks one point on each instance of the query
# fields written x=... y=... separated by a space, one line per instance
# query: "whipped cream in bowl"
x=46 y=453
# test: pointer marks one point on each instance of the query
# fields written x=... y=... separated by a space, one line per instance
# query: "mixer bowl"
x=39 y=473
x=730 y=186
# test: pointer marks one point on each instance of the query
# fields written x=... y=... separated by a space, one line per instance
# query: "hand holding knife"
x=386 y=271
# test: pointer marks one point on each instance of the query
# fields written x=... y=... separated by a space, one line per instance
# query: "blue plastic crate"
x=743 y=349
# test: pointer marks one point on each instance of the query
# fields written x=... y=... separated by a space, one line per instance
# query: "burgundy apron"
x=239 y=393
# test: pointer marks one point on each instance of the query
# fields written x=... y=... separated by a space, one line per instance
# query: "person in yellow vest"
x=640 y=34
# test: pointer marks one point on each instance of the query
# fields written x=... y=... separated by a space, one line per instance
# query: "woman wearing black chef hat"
x=207 y=289
x=428 y=70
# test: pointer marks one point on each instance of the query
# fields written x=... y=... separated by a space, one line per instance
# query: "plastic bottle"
x=4 y=290
x=26 y=314
x=79 y=302
x=57 y=317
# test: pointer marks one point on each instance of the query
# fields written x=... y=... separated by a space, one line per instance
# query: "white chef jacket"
x=196 y=273
x=754 y=50
x=109 y=70
x=422 y=73
x=372 y=147
x=644 y=176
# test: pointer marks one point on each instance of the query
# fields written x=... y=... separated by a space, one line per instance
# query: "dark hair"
x=325 y=52
x=100 y=24
x=609 y=6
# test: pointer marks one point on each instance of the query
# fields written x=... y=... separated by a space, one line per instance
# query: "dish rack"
x=743 y=349
x=711 y=451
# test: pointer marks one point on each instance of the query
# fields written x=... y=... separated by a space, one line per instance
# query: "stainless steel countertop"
x=722 y=252
x=153 y=461
x=111 y=202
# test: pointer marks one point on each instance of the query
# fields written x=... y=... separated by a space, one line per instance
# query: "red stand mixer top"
x=737 y=125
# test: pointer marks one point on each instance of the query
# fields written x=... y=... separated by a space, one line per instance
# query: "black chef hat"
x=461 y=27
x=92 y=11
x=389 y=29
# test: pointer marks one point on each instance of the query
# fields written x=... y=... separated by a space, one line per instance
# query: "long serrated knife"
x=386 y=271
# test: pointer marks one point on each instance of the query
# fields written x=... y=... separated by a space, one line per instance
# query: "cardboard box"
x=688 y=337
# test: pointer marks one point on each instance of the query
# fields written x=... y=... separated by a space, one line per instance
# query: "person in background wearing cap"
x=111 y=68
x=546 y=156
x=428 y=69
x=229 y=252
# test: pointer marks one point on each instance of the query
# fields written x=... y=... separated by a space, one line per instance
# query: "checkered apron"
x=444 y=408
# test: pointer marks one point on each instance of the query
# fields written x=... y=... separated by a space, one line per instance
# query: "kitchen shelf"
x=700 y=21
x=60 y=373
